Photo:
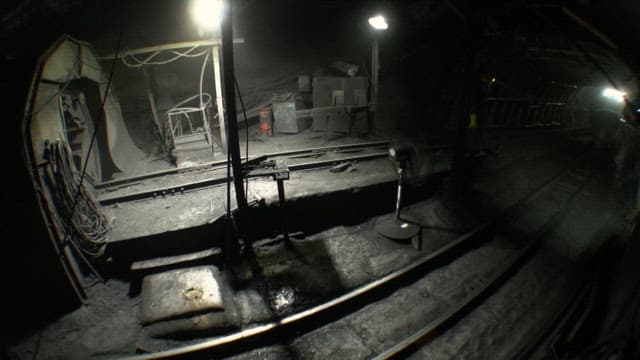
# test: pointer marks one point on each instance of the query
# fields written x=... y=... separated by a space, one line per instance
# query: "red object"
x=265 y=127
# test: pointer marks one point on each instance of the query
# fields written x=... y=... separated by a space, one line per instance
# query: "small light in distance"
x=613 y=94
x=493 y=80
x=207 y=14
x=378 y=22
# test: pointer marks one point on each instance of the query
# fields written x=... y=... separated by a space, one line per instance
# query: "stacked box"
x=333 y=90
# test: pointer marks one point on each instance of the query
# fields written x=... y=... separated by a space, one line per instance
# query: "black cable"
x=93 y=138
x=246 y=126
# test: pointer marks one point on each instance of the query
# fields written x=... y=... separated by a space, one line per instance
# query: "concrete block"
x=180 y=292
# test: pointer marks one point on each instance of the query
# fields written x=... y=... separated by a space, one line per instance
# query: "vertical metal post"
x=217 y=78
x=233 y=145
x=152 y=101
x=374 y=83
x=283 y=211
x=468 y=103
x=399 y=195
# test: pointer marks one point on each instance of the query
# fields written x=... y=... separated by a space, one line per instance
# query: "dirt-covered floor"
x=258 y=144
x=330 y=262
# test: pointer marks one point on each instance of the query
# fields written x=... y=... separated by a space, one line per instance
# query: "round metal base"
x=397 y=229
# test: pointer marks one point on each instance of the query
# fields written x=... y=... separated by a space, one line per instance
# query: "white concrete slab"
x=180 y=292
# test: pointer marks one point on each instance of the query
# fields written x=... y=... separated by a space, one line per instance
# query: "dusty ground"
x=258 y=144
x=349 y=256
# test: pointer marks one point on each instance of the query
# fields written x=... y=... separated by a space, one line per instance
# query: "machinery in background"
x=289 y=113
x=328 y=103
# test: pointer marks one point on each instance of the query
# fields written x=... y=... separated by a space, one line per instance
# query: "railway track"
x=370 y=301
x=215 y=172
x=525 y=251
x=221 y=164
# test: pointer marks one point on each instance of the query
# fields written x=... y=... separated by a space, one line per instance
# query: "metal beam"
x=152 y=102
x=215 y=52
x=375 y=68
x=233 y=144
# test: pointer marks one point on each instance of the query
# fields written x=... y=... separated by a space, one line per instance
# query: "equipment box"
x=337 y=91
x=328 y=91
x=285 y=119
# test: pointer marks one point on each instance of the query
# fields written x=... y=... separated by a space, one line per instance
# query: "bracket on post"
x=280 y=174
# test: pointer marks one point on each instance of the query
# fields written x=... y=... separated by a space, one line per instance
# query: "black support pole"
x=284 y=220
x=226 y=30
x=459 y=175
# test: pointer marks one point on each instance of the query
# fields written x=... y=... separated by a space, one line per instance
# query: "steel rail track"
x=428 y=332
x=220 y=164
x=423 y=336
x=212 y=165
x=201 y=184
x=350 y=302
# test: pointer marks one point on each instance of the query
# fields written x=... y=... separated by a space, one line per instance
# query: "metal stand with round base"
x=399 y=228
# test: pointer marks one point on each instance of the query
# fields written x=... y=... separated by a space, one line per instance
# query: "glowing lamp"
x=378 y=22
x=207 y=14
x=613 y=94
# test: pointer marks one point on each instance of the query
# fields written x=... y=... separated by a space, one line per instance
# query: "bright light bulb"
x=207 y=14
x=613 y=94
x=378 y=22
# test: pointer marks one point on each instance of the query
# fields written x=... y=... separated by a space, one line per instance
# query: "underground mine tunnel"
x=320 y=179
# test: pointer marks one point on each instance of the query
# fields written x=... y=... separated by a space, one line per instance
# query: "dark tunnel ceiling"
x=547 y=35
x=618 y=19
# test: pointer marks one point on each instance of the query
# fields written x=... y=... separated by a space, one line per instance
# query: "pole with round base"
x=401 y=229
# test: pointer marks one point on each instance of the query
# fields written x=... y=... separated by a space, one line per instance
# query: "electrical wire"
x=204 y=66
x=87 y=223
x=147 y=61
x=81 y=190
x=154 y=54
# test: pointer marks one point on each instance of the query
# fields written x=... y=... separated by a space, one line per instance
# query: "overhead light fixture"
x=378 y=22
x=615 y=95
x=207 y=14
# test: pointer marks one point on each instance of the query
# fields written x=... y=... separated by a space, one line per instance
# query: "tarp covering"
x=70 y=60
